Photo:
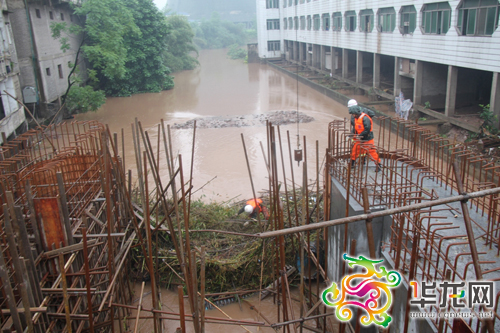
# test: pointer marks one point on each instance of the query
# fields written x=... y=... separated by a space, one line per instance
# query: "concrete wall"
x=357 y=230
x=46 y=49
x=434 y=87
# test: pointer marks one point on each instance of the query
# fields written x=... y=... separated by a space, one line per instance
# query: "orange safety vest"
x=358 y=123
x=254 y=204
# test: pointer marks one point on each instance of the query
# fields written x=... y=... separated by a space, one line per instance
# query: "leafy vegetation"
x=180 y=44
x=232 y=261
x=218 y=34
x=236 y=52
x=490 y=119
x=145 y=67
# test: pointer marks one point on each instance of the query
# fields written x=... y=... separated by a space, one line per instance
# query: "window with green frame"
x=302 y=23
x=366 y=20
x=350 y=20
x=478 y=17
x=436 y=18
x=316 y=22
x=309 y=24
x=386 y=19
x=408 y=19
x=325 y=21
x=273 y=45
x=337 y=21
x=272 y=3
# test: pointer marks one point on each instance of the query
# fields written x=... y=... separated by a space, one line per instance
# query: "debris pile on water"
x=275 y=117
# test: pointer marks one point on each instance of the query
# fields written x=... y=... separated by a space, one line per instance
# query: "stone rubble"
x=275 y=117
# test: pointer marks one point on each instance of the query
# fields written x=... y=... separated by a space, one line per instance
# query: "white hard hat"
x=248 y=209
x=352 y=102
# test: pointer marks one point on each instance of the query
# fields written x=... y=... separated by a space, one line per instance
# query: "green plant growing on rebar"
x=427 y=105
x=489 y=125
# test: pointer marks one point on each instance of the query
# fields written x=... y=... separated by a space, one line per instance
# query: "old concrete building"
x=440 y=54
x=12 y=117
x=44 y=67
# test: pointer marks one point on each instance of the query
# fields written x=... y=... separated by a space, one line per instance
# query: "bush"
x=235 y=52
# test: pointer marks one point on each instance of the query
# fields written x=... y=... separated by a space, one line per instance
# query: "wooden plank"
x=70 y=248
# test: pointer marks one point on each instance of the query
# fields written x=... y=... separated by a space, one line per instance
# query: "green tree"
x=216 y=33
x=145 y=67
x=101 y=33
x=180 y=44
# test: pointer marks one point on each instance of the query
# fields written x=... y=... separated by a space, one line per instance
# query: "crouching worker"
x=253 y=207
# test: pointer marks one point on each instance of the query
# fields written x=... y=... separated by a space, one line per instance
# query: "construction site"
x=72 y=224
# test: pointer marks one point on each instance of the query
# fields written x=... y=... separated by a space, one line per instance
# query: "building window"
x=296 y=22
x=38 y=14
x=366 y=20
x=436 y=18
x=316 y=22
x=350 y=20
x=478 y=17
x=386 y=19
x=273 y=45
x=51 y=15
x=302 y=23
x=290 y=2
x=337 y=21
x=290 y=23
x=325 y=22
x=285 y=24
x=309 y=24
x=273 y=24
x=59 y=68
x=47 y=70
x=62 y=16
x=408 y=19
x=296 y=2
x=272 y=3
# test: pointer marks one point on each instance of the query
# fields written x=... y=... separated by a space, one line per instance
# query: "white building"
x=446 y=54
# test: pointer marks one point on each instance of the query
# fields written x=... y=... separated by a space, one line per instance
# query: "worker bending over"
x=362 y=126
x=253 y=207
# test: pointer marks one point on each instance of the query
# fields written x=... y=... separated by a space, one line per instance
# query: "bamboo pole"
x=65 y=293
x=87 y=280
x=139 y=308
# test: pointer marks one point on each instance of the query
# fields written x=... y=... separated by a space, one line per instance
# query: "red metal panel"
x=47 y=211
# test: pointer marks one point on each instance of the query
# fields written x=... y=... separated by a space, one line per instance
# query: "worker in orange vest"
x=253 y=207
x=362 y=126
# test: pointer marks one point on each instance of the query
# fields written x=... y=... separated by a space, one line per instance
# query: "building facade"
x=12 y=117
x=445 y=55
x=44 y=67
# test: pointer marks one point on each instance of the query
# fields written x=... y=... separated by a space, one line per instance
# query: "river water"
x=225 y=87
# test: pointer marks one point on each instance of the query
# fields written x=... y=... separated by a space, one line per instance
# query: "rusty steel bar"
x=381 y=213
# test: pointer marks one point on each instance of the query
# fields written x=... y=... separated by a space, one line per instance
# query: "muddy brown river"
x=224 y=87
